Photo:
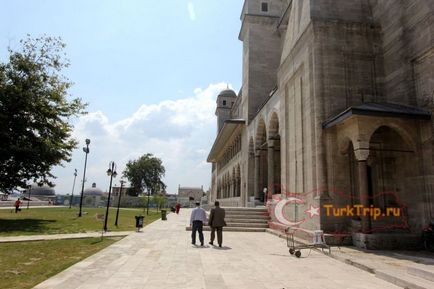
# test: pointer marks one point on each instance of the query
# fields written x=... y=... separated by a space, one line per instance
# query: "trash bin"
x=163 y=215
x=139 y=222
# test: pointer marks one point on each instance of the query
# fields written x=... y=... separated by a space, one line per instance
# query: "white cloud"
x=191 y=12
x=180 y=132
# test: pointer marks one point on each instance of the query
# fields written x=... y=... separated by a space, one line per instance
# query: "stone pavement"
x=407 y=269
x=161 y=256
x=61 y=236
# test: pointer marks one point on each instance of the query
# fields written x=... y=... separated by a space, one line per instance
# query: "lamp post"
x=119 y=203
x=86 y=150
x=112 y=173
x=28 y=199
x=73 y=186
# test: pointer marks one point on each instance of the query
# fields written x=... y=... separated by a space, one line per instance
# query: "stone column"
x=257 y=174
x=364 y=195
x=271 y=184
x=361 y=152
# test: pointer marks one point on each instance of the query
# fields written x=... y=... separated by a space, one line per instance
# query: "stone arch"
x=219 y=188
x=238 y=180
x=251 y=146
x=386 y=174
x=274 y=157
x=261 y=161
x=392 y=168
x=261 y=133
x=273 y=127
x=233 y=183
x=228 y=184
x=405 y=132
x=250 y=191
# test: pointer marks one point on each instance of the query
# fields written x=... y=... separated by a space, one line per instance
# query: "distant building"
x=93 y=197
x=192 y=193
x=42 y=193
x=93 y=191
x=116 y=190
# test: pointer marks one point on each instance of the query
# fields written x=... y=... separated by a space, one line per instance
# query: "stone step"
x=246 y=210
x=250 y=220
x=232 y=229
x=253 y=225
x=247 y=215
x=237 y=216
x=422 y=271
x=402 y=279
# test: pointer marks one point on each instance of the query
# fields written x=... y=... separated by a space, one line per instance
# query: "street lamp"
x=119 y=203
x=73 y=186
x=112 y=173
x=86 y=150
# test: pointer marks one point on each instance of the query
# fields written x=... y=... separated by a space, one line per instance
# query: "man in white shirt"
x=197 y=218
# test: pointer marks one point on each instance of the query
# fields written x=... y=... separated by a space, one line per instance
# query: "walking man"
x=197 y=218
x=217 y=222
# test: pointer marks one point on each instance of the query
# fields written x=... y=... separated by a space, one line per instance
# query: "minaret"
x=225 y=101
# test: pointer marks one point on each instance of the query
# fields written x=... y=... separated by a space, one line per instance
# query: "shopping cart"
x=318 y=242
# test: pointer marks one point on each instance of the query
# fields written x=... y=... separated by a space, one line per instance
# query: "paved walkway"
x=61 y=236
x=161 y=256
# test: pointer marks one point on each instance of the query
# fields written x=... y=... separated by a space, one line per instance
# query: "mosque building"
x=332 y=124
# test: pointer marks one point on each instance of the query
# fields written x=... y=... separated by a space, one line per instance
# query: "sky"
x=150 y=72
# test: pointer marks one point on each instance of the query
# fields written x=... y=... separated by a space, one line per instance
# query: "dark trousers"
x=219 y=234
x=17 y=208
x=197 y=226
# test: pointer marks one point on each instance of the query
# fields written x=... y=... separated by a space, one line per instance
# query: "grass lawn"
x=38 y=221
x=26 y=264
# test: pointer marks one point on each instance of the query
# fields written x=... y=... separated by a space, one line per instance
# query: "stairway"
x=244 y=220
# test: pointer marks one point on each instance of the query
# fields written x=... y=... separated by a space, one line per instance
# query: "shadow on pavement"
x=222 y=248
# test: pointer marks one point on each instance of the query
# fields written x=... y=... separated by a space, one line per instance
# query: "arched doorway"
x=261 y=161
x=392 y=174
x=250 y=171
x=274 y=165
x=387 y=180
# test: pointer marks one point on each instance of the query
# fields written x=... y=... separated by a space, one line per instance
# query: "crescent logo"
x=280 y=206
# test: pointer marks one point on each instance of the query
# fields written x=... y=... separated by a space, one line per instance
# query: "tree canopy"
x=35 y=112
x=145 y=174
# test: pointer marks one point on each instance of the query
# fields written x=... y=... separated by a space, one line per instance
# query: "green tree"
x=145 y=174
x=159 y=201
x=35 y=112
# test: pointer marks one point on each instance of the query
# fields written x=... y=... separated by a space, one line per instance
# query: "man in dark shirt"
x=217 y=222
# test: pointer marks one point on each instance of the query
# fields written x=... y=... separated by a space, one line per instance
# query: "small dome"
x=227 y=93
x=93 y=191
x=42 y=190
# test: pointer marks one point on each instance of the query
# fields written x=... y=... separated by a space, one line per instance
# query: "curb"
x=31 y=238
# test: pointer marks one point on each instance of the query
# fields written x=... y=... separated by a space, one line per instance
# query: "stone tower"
x=261 y=51
x=225 y=101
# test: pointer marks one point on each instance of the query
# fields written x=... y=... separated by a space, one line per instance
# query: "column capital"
x=361 y=150
x=361 y=154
